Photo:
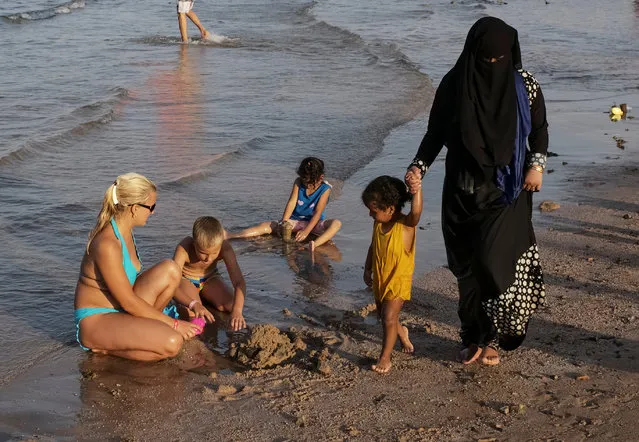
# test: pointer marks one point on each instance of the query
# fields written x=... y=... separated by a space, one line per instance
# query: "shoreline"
x=576 y=375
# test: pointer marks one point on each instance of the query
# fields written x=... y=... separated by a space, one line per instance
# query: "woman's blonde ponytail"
x=126 y=190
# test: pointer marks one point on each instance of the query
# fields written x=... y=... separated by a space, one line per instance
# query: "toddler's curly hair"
x=384 y=192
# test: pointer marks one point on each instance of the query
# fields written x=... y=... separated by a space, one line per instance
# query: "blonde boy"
x=198 y=256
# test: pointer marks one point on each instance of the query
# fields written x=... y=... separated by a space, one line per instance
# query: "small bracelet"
x=192 y=303
x=537 y=168
x=175 y=324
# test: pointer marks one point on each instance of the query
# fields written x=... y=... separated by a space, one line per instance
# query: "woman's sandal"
x=470 y=354
x=489 y=356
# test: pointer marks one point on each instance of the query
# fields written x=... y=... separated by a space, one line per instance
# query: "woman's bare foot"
x=470 y=354
x=489 y=356
x=407 y=346
x=382 y=366
x=206 y=35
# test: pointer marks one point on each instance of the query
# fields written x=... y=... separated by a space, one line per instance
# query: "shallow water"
x=92 y=89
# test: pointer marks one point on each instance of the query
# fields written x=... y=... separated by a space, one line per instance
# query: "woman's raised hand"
x=413 y=179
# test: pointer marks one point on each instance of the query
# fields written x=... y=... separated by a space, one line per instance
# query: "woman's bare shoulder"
x=104 y=241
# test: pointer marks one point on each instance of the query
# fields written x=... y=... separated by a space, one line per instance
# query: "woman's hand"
x=186 y=329
x=368 y=277
x=237 y=321
x=202 y=312
x=532 y=181
x=413 y=179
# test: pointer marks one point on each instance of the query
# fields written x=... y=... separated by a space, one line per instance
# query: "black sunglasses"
x=151 y=208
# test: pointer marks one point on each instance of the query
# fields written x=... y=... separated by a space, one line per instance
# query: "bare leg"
x=130 y=337
x=182 y=24
x=390 y=321
x=330 y=251
x=266 y=228
x=158 y=284
x=332 y=227
x=127 y=336
x=402 y=333
x=186 y=292
x=196 y=21
x=218 y=294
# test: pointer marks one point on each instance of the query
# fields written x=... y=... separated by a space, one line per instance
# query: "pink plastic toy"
x=200 y=322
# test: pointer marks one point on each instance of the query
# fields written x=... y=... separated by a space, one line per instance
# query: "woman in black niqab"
x=487 y=102
x=491 y=116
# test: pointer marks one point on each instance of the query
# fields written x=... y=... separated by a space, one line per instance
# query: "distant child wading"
x=184 y=10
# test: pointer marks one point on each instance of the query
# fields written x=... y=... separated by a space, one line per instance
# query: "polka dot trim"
x=511 y=310
x=532 y=85
x=420 y=165
x=536 y=159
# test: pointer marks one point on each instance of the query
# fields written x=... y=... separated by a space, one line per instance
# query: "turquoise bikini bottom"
x=81 y=313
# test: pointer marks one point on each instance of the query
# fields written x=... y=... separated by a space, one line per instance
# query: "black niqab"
x=487 y=99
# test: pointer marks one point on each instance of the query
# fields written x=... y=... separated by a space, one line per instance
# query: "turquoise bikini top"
x=129 y=268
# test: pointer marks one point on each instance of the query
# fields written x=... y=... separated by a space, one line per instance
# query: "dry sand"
x=576 y=377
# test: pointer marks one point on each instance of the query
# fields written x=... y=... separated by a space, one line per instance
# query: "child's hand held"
x=413 y=180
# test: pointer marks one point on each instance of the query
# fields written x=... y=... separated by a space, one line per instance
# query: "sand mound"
x=266 y=347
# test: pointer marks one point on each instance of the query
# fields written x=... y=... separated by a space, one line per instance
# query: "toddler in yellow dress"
x=391 y=258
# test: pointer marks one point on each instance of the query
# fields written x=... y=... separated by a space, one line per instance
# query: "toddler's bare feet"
x=489 y=356
x=382 y=366
x=470 y=354
x=407 y=346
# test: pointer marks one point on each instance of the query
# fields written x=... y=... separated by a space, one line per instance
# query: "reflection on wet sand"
x=119 y=391
x=314 y=271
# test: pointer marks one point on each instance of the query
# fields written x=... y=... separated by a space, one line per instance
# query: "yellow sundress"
x=393 y=266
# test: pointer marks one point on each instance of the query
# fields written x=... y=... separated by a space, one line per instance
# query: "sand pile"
x=266 y=347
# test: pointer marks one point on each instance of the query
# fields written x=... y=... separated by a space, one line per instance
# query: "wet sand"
x=576 y=376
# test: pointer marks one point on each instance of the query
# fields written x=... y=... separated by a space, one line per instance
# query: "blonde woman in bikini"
x=119 y=309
